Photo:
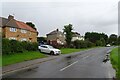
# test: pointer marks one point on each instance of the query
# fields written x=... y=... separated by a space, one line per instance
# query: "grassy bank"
x=115 y=60
x=70 y=50
x=20 y=57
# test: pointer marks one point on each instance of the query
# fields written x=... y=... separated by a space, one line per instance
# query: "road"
x=84 y=64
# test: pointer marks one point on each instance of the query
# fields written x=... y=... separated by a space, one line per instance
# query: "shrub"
x=83 y=44
x=13 y=46
x=6 y=46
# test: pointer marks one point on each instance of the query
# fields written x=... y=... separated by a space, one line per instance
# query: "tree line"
x=91 y=38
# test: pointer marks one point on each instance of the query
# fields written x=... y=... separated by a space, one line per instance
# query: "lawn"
x=70 y=50
x=20 y=57
x=115 y=60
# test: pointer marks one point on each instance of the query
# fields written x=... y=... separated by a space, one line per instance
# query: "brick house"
x=56 y=38
x=17 y=30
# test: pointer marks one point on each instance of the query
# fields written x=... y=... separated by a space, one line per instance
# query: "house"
x=56 y=38
x=17 y=30
x=77 y=36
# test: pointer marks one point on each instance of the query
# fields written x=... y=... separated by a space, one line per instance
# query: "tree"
x=42 y=40
x=68 y=33
x=113 y=39
x=94 y=37
x=103 y=41
x=118 y=40
x=31 y=25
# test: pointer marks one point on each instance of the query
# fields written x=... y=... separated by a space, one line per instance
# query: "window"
x=44 y=46
x=23 y=31
x=13 y=29
x=23 y=39
x=12 y=38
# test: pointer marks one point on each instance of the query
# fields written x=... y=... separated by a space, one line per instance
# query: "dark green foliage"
x=13 y=46
x=42 y=39
x=118 y=40
x=31 y=25
x=68 y=33
x=113 y=39
x=94 y=37
x=83 y=44
x=6 y=46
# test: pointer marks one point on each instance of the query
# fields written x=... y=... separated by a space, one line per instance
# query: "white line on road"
x=85 y=57
x=68 y=66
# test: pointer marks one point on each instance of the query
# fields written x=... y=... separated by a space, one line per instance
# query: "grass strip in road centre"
x=20 y=57
x=115 y=60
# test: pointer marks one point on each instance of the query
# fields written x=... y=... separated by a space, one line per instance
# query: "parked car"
x=108 y=45
x=49 y=49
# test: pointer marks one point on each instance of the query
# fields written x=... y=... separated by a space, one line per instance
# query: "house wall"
x=77 y=38
x=18 y=35
x=0 y=29
x=59 y=38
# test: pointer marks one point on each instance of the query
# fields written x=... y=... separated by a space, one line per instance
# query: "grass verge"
x=115 y=60
x=20 y=57
x=70 y=50
x=25 y=56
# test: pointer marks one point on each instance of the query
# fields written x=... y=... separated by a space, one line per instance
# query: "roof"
x=15 y=23
x=55 y=32
x=75 y=34
x=22 y=25
x=3 y=21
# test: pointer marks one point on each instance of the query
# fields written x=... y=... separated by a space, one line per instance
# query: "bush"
x=13 y=46
x=98 y=43
x=82 y=44
x=6 y=46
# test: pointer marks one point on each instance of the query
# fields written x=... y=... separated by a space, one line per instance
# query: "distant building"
x=56 y=38
x=17 y=30
x=77 y=36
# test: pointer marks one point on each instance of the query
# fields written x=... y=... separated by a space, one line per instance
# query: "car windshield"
x=51 y=47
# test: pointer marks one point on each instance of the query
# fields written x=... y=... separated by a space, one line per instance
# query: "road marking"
x=85 y=57
x=68 y=66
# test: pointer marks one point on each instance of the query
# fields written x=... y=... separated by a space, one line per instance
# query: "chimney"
x=57 y=30
x=10 y=17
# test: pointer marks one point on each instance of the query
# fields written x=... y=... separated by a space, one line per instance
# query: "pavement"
x=84 y=64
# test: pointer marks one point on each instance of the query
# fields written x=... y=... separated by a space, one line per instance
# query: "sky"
x=48 y=15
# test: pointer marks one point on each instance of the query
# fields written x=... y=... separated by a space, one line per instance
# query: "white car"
x=49 y=49
x=108 y=45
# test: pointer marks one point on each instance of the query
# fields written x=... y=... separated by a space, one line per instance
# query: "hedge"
x=82 y=44
x=13 y=46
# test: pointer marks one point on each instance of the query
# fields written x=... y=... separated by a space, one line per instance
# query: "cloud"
x=88 y=15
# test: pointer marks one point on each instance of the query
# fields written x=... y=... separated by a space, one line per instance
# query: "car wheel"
x=52 y=52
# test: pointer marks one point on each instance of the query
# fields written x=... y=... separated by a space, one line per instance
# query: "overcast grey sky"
x=48 y=15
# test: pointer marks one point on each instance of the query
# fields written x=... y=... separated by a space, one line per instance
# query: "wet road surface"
x=84 y=64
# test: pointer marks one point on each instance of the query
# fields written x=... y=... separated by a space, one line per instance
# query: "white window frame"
x=23 y=31
x=12 y=38
x=23 y=39
x=13 y=29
